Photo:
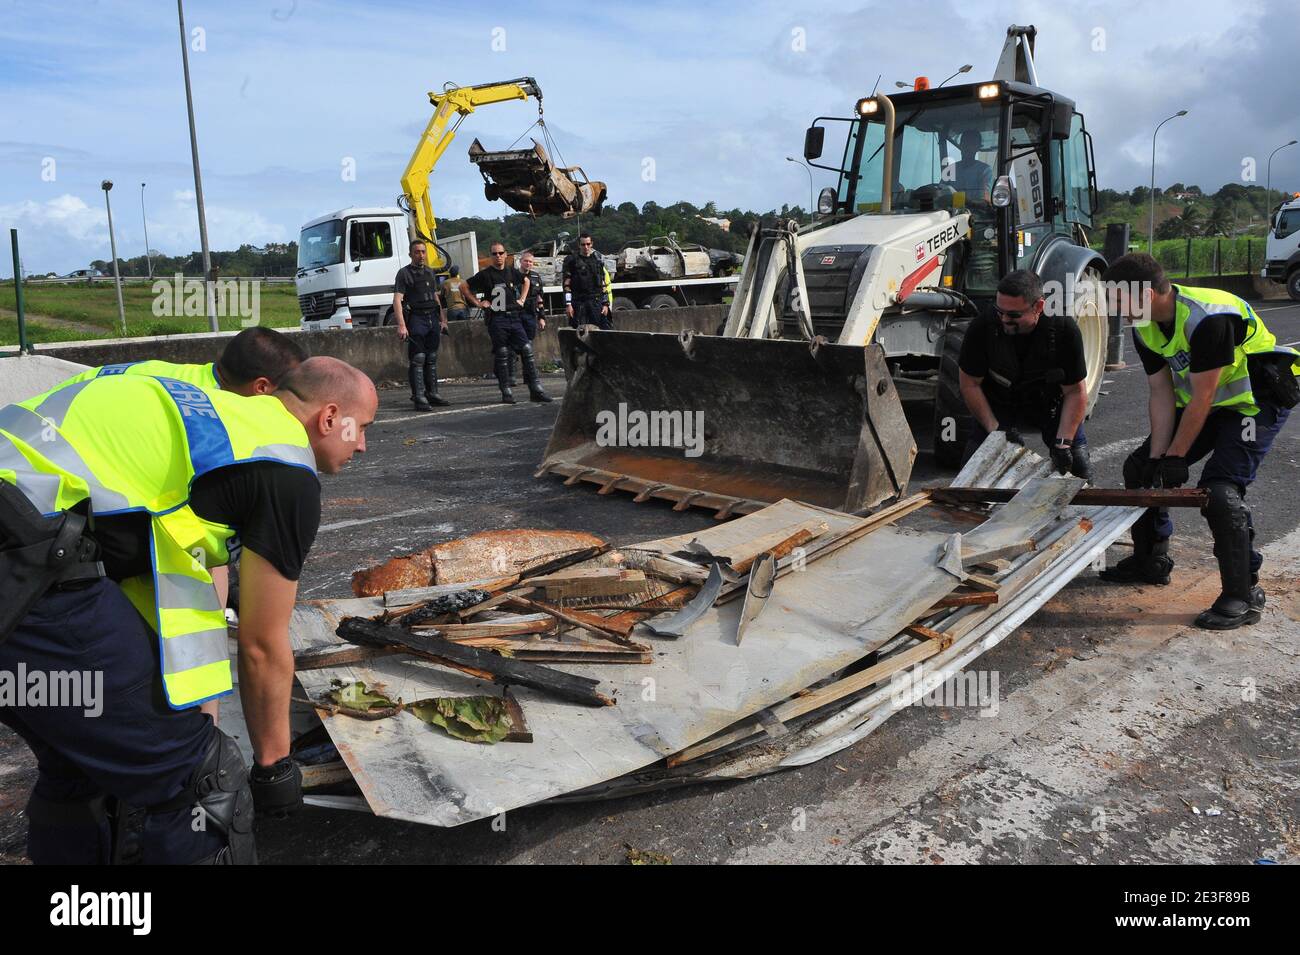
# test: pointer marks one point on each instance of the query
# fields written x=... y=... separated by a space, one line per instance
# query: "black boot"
x=502 y=368
x=1240 y=601
x=535 y=392
x=415 y=372
x=431 y=381
x=511 y=377
x=1150 y=562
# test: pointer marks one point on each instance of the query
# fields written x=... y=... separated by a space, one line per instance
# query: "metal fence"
x=1210 y=256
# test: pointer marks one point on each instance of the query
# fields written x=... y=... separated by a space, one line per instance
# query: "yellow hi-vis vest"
x=205 y=376
x=136 y=443
x=1193 y=306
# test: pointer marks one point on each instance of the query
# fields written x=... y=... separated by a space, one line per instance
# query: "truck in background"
x=1282 y=252
x=348 y=260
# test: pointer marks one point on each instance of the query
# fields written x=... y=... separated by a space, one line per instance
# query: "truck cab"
x=1282 y=253
x=347 y=261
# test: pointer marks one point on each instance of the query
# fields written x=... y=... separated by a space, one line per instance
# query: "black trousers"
x=135 y=749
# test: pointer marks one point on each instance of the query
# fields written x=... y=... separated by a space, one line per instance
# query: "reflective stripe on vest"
x=178 y=595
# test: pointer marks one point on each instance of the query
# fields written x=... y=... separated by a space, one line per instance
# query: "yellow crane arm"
x=451 y=106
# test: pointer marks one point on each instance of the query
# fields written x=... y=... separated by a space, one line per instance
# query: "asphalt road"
x=1115 y=718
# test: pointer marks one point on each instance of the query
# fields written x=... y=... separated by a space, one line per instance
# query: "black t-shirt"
x=1213 y=344
x=498 y=288
x=984 y=331
x=273 y=507
x=419 y=288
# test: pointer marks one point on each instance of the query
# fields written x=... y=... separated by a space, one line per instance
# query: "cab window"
x=369 y=240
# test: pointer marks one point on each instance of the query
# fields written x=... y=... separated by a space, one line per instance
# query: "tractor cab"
x=1014 y=156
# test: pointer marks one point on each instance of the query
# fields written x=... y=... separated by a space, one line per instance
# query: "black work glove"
x=277 y=789
x=1171 y=471
x=1147 y=473
x=1063 y=458
x=1013 y=436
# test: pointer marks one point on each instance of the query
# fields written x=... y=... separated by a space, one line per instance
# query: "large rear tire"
x=1089 y=312
x=952 y=422
x=662 y=301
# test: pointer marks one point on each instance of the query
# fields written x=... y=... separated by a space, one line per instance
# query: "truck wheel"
x=952 y=422
x=624 y=304
x=662 y=301
x=389 y=318
x=1094 y=326
x=1293 y=285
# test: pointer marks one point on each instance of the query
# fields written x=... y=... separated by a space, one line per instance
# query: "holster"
x=37 y=552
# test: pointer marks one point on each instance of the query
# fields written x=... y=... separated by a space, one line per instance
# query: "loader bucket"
x=780 y=419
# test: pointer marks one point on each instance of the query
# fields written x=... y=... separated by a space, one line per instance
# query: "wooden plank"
x=965 y=600
x=1088 y=496
x=499 y=627
x=591 y=582
x=944 y=640
x=341 y=655
x=586 y=622
x=504 y=670
x=782 y=542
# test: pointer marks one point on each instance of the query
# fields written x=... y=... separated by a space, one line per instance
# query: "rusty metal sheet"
x=818 y=621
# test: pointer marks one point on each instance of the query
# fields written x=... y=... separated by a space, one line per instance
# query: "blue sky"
x=717 y=94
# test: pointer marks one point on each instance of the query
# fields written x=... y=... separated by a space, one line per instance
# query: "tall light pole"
x=1151 y=230
x=812 y=199
x=198 y=179
x=145 y=219
x=1268 y=176
x=106 y=185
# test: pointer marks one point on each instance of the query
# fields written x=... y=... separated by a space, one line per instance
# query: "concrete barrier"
x=465 y=352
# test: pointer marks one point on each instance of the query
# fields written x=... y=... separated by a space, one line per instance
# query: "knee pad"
x=418 y=358
x=1226 y=507
x=502 y=352
x=221 y=791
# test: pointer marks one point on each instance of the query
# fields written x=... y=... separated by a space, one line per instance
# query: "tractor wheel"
x=952 y=422
x=1089 y=312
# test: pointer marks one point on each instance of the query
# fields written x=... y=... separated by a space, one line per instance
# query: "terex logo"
x=920 y=251
x=939 y=240
x=103 y=908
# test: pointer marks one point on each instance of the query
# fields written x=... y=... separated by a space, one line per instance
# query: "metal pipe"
x=887 y=176
x=1268 y=177
x=106 y=185
x=145 y=219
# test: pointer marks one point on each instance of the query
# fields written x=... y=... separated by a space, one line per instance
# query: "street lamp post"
x=145 y=219
x=812 y=199
x=198 y=179
x=1268 y=176
x=106 y=185
x=965 y=69
x=1151 y=229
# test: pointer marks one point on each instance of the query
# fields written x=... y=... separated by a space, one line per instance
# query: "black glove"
x=1013 y=436
x=1147 y=473
x=277 y=789
x=1171 y=471
x=1063 y=458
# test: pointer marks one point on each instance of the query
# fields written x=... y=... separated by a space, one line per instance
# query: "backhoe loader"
x=940 y=192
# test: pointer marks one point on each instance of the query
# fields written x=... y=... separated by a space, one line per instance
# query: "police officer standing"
x=116 y=496
x=588 y=297
x=1219 y=386
x=420 y=322
x=534 y=313
x=506 y=290
x=1023 y=369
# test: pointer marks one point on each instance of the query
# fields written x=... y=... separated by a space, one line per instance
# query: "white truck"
x=1282 y=253
x=348 y=260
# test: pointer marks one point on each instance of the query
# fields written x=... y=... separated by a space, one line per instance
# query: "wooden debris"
x=590 y=582
x=481 y=663
x=586 y=621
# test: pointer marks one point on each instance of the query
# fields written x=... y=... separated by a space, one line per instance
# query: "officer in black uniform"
x=1023 y=369
x=420 y=321
x=506 y=291
x=534 y=313
x=587 y=294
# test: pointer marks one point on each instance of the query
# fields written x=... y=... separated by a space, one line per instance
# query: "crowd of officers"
x=509 y=295
x=125 y=490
